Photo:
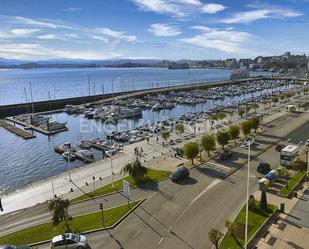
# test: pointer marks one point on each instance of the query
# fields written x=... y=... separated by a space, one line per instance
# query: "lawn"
x=292 y=183
x=255 y=220
x=79 y=224
x=152 y=176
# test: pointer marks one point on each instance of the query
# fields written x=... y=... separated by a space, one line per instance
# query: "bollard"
x=86 y=184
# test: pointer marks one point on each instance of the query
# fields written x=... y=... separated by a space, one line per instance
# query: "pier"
x=32 y=127
x=19 y=132
x=59 y=104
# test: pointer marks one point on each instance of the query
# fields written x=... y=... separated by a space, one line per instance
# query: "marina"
x=97 y=131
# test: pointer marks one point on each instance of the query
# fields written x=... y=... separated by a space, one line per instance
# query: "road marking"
x=210 y=186
x=160 y=240
x=219 y=165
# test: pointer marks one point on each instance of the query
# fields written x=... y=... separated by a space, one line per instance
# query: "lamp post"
x=69 y=167
x=247 y=196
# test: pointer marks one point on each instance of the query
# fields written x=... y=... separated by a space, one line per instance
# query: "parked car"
x=69 y=240
x=181 y=172
x=247 y=143
x=179 y=152
x=307 y=143
x=279 y=147
x=225 y=155
x=263 y=168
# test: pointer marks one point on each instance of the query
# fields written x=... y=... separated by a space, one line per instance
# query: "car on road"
x=279 y=147
x=225 y=155
x=69 y=240
x=263 y=168
x=179 y=173
x=247 y=143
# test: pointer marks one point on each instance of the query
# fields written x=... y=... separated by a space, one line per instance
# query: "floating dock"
x=19 y=132
x=38 y=129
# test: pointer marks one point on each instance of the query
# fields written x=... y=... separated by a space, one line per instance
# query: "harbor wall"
x=58 y=104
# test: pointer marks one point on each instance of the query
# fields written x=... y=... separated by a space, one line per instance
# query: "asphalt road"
x=180 y=215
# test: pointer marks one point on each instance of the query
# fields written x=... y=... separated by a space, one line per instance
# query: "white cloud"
x=192 y=2
x=49 y=37
x=229 y=41
x=115 y=34
x=160 y=6
x=39 y=23
x=253 y=15
x=29 y=51
x=99 y=38
x=71 y=9
x=17 y=33
x=212 y=8
x=163 y=29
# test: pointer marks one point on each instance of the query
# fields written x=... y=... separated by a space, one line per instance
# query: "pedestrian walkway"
x=291 y=230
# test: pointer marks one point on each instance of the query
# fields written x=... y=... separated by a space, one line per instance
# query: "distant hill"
x=65 y=63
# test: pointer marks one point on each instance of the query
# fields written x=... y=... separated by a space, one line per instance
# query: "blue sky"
x=159 y=29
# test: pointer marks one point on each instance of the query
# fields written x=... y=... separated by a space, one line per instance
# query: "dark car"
x=263 y=168
x=279 y=147
x=225 y=155
x=181 y=172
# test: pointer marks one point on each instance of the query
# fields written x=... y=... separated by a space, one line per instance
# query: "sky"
x=152 y=29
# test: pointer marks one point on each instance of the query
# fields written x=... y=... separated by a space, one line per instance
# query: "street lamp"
x=69 y=167
x=247 y=197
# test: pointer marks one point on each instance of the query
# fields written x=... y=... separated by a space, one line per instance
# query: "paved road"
x=180 y=215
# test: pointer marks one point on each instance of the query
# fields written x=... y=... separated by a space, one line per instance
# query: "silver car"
x=69 y=241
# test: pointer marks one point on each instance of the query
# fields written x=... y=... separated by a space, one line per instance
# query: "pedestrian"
x=163 y=143
x=148 y=140
x=142 y=149
x=157 y=139
x=1 y=207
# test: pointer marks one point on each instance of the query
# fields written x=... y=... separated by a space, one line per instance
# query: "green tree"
x=251 y=203
x=231 y=227
x=208 y=143
x=263 y=201
x=165 y=135
x=299 y=165
x=180 y=128
x=136 y=170
x=191 y=150
x=246 y=128
x=223 y=138
x=275 y=99
x=234 y=132
x=221 y=115
x=255 y=123
x=255 y=106
x=241 y=112
x=282 y=97
x=248 y=108
x=59 y=208
x=215 y=236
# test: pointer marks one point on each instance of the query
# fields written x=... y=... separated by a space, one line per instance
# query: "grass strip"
x=255 y=220
x=152 y=176
x=79 y=224
x=292 y=183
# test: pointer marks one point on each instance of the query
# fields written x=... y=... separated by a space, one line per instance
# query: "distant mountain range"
x=11 y=63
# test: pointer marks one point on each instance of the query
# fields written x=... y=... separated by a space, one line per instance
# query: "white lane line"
x=160 y=240
x=218 y=165
x=210 y=186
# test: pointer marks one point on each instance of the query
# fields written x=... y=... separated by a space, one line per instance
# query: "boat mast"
x=26 y=99
x=31 y=95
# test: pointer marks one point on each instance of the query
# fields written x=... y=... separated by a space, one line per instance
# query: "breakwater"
x=59 y=104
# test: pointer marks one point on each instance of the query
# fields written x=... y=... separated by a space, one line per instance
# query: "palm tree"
x=59 y=207
x=136 y=170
